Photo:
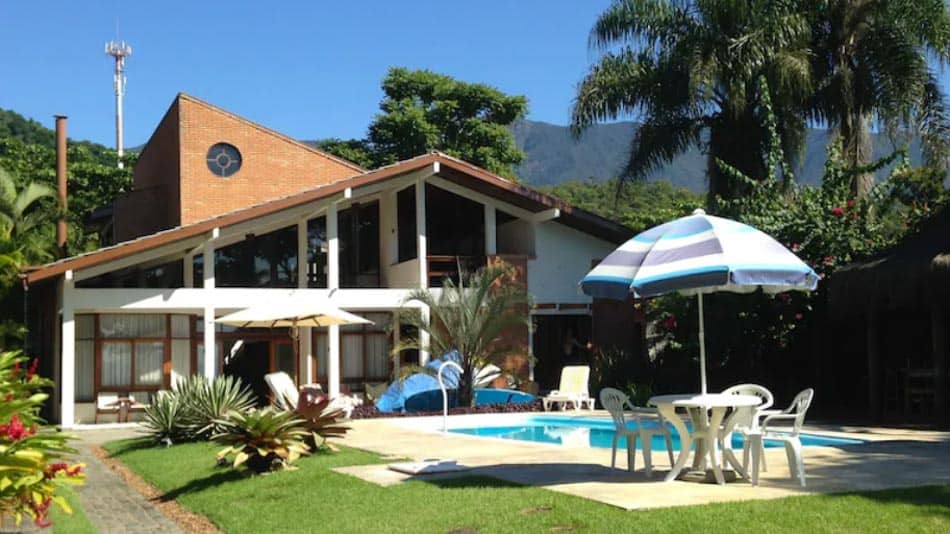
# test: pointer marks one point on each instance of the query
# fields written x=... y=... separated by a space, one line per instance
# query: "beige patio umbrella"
x=293 y=315
x=290 y=314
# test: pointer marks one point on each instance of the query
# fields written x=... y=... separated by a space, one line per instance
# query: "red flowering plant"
x=33 y=457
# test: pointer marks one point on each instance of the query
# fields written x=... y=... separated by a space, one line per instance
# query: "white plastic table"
x=707 y=413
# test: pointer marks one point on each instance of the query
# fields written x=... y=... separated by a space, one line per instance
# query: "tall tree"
x=423 y=111
x=870 y=65
x=690 y=70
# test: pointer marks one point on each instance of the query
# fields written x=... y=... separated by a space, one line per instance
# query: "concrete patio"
x=891 y=458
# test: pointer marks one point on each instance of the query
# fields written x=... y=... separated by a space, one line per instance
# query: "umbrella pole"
x=702 y=345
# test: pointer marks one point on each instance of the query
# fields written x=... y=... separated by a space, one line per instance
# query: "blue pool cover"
x=420 y=392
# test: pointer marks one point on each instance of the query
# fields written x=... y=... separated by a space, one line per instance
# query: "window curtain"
x=377 y=355
x=149 y=357
x=352 y=355
x=322 y=349
x=116 y=363
x=125 y=326
x=85 y=369
x=181 y=359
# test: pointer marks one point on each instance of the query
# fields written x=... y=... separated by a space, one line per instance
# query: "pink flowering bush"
x=33 y=457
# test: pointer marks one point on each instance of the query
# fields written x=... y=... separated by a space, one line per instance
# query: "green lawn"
x=75 y=523
x=313 y=498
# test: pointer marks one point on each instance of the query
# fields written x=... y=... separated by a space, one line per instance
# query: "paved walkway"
x=110 y=504
x=890 y=458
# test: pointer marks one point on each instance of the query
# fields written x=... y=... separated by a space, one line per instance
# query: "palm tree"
x=691 y=69
x=23 y=235
x=870 y=64
x=470 y=317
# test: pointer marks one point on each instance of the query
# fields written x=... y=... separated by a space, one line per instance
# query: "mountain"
x=554 y=156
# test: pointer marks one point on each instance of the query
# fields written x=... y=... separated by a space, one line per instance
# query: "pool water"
x=593 y=432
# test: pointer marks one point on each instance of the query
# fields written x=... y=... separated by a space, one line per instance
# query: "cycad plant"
x=192 y=409
x=470 y=317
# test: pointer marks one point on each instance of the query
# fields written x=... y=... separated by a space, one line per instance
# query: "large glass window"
x=455 y=226
x=406 y=223
x=359 y=245
x=364 y=351
x=317 y=252
x=266 y=260
x=85 y=358
x=132 y=351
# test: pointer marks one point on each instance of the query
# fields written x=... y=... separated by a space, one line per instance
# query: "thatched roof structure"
x=913 y=273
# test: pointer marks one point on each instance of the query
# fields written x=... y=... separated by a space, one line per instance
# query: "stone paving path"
x=110 y=504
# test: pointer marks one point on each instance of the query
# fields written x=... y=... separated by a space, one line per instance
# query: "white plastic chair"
x=572 y=390
x=754 y=438
x=747 y=417
x=615 y=402
x=285 y=392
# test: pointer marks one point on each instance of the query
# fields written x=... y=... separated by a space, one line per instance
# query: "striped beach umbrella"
x=695 y=255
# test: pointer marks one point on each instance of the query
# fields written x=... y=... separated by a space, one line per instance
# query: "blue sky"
x=309 y=69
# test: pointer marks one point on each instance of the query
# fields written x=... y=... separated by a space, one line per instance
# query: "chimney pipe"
x=61 y=182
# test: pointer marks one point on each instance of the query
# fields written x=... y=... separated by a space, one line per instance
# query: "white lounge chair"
x=754 y=438
x=747 y=417
x=283 y=389
x=572 y=390
x=615 y=402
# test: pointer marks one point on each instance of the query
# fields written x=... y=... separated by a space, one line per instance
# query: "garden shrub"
x=33 y=457
x=193 y=408
x=262 y=440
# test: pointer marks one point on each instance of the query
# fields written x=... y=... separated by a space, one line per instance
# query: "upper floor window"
x=223 y=159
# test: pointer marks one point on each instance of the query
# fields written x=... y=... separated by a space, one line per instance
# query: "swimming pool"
x=599 y=432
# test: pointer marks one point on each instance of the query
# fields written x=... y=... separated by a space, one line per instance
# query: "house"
x=225 y=214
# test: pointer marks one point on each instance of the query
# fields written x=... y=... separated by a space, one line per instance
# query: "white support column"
x=491 y=233
x=306 y=334
x=333 y=361
x=397 y=359
x=210 y=345
x=424 y=338
x=421 y=230
x=333 y=248
x=189 y=270
x=333 y=282
x=67 y=382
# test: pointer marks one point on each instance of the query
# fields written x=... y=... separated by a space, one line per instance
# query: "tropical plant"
x=874 y=61
x=690 y=70
x=164 y=419
x=23 y=238
x=207 y=401
x=470 y=317
x=263 y=440
x=321 y=422
x=33 y=457
x=191 y=410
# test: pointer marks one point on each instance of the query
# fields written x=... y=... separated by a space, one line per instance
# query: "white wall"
x=563 y=256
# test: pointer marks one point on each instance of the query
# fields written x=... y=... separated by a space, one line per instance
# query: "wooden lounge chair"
x=572 y=390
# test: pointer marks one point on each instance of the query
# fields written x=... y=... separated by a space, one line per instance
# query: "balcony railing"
x=441 y=268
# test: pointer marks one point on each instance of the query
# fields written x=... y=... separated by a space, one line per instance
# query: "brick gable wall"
x=273 y=166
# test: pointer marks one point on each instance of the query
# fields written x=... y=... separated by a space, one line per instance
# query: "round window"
x=224 y=159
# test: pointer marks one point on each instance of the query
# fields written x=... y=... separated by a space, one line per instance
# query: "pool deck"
x=891 y=458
